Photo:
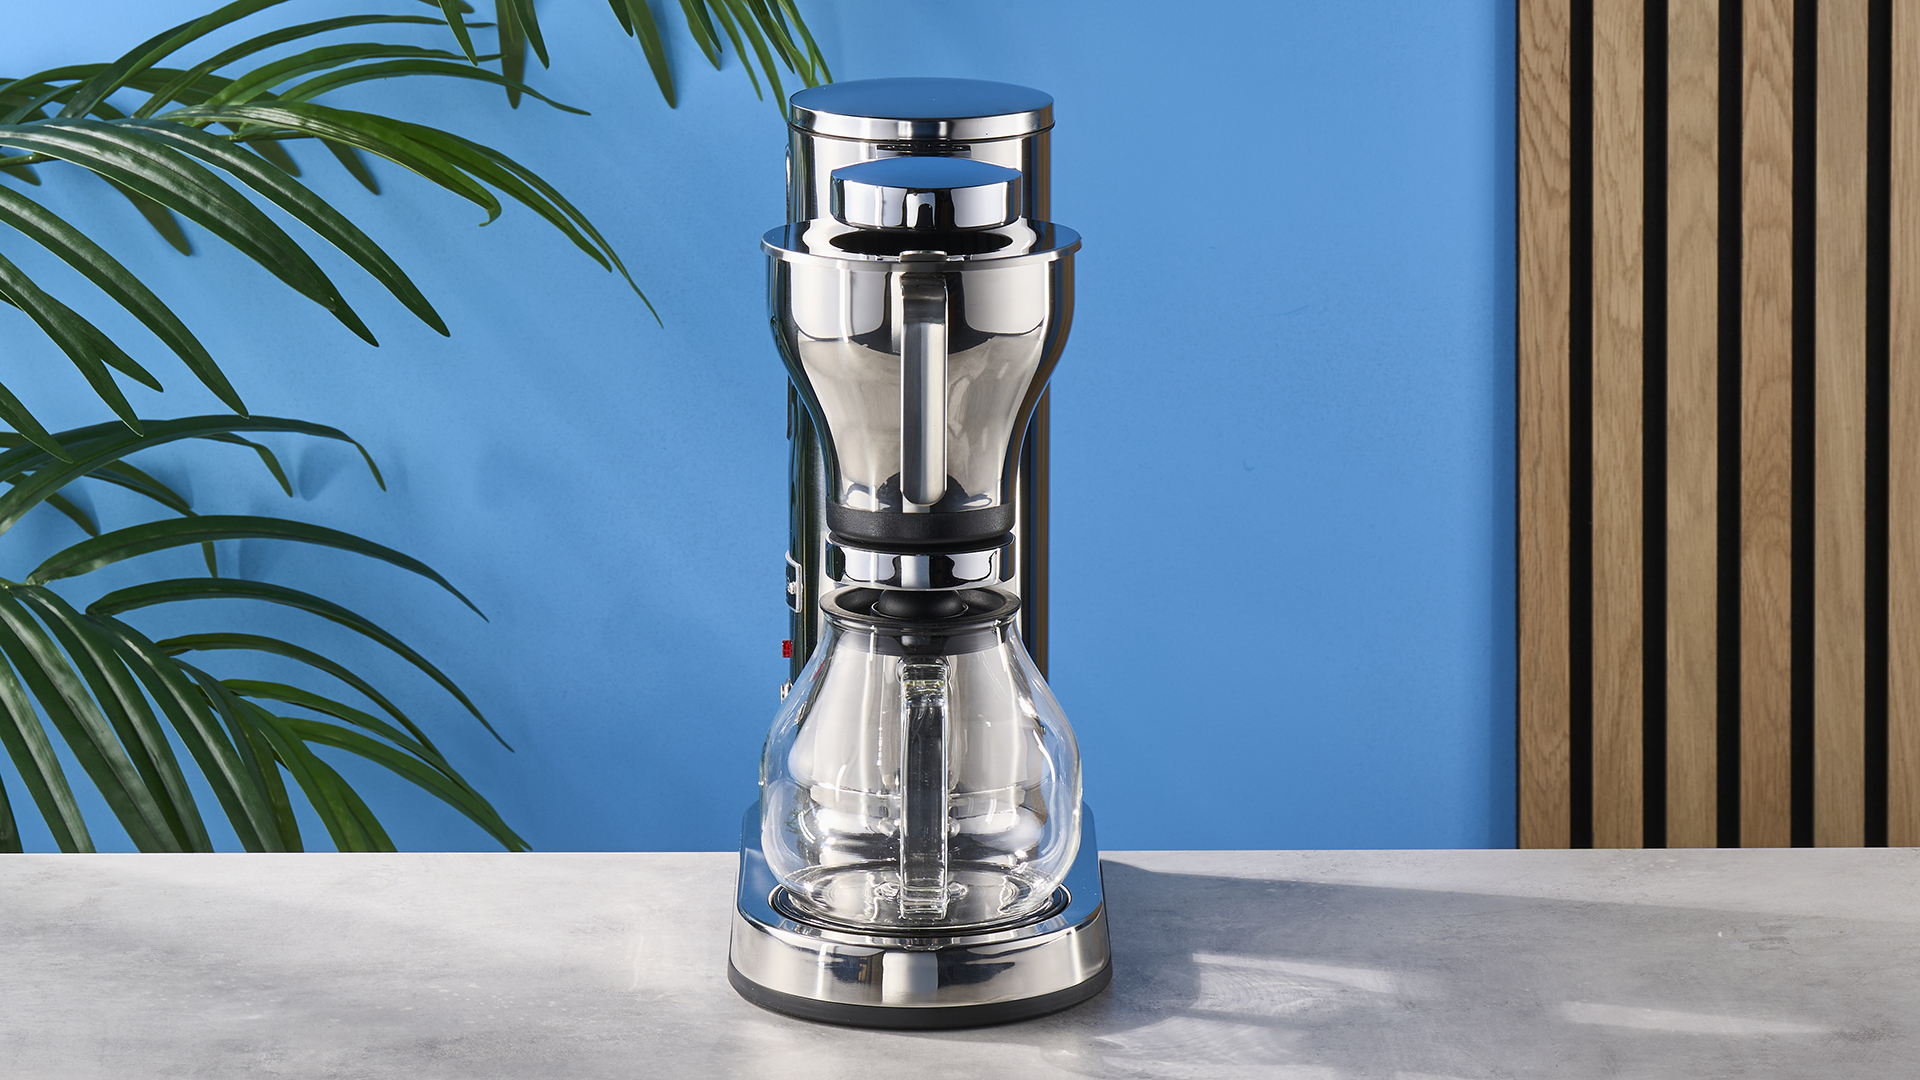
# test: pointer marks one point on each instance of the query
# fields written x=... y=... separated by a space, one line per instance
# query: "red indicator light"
x=786 y=649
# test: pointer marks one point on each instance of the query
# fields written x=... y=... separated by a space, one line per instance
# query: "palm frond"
x=202 y=145
x=768 y=32
x=89 y=680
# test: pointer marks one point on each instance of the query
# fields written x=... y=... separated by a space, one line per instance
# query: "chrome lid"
x=961 y=110
x=926 y=194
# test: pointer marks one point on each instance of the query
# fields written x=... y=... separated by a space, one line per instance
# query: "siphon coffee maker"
x=919 y=856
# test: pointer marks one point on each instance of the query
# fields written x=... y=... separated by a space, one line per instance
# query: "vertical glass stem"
x=924 y=797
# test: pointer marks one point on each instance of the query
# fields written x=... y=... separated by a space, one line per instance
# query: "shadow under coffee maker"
x=919 y=856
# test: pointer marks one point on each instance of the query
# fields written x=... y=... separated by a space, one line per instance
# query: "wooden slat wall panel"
x=1759 y=411
x=1545 y=197
x=1693 y=420
x=1619 y=49
x=1903 y=519
x=1766 y=426
x=1840 y=417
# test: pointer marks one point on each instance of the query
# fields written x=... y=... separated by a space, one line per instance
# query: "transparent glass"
x=920 y=778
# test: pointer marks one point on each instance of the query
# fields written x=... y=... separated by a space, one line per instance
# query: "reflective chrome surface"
x=865 y=336
x=926 y=193
x=921 y=811
x=882 y=110
x=850 y=122
x=912 y=980
x=892 y=570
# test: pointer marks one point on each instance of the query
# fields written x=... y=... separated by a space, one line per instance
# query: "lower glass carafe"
x=920 y=776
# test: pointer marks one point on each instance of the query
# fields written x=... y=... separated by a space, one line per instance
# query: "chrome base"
x=896 y=981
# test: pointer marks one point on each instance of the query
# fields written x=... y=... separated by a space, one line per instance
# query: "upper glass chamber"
x=920 y=776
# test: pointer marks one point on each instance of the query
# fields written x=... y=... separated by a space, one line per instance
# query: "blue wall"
x=1283 y=473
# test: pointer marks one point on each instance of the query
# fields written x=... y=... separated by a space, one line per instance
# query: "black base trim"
x=921 y=1018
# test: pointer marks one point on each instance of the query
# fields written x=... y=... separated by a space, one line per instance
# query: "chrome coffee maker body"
x=919 y=855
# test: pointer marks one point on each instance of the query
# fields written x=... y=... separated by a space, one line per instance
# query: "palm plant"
x=207 y=141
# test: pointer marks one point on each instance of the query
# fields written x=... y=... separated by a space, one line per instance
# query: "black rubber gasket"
x=922 y=1018
x=932 y=534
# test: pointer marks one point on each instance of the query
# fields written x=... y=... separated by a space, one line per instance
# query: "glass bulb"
x=920 y=776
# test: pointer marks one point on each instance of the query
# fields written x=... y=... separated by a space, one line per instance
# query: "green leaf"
x=102 y=444
x=361 y=130
x=90 y=555
x=127 y=156
x=121 y=474
x=192 y=718
x=176 y=590
x=76 y=250
x=307 y=699
x=19 y=419
x=700 y=25
x=513 y=48
x=255 y=752
x=64 y=698
x=445 y=159
x=32 y=753
x=275 y=154
x=376 y=835
x=528 y=21
x=97 y=343
x=158 y=217
x=119 y=696
x=456 y=20
x=355 y=165
x=333 y=80
x=751 y=22
x=73 y=513
x=334 y=812
x=34 y=108
x=816 y=72
x=9 y=828
x=169 y=91
x=640 y=20
x=61 y=324
x=156 y=49
x=725 y=14
x=526 y=186
x=306 y=207
x=266 y=456
x=277 y=647
x=433 y=780
x=620 y=12
x=260 y=80
x=21 y=172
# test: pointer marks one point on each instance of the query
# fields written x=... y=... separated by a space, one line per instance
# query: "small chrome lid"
x=883 y=110
x=926 y=194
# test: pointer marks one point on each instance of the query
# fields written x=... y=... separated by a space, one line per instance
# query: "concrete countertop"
x=1379 y=964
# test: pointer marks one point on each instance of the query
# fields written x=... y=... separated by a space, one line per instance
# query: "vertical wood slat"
x=1840 y=417
x=1545 y=197
x=1903 y=518
x=1693 y=420
x=1619 y=131
x=1766 y=425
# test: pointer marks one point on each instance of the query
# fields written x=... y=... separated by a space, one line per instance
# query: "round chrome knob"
x=926 y=194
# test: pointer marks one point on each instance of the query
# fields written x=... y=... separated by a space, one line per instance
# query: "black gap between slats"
x=1653 y=479
x=1727 y=674
x=1879 y=195
x=1806 y=73
x=1580 y=429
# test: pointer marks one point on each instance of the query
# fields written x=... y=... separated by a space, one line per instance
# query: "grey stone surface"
x=1391 y=965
